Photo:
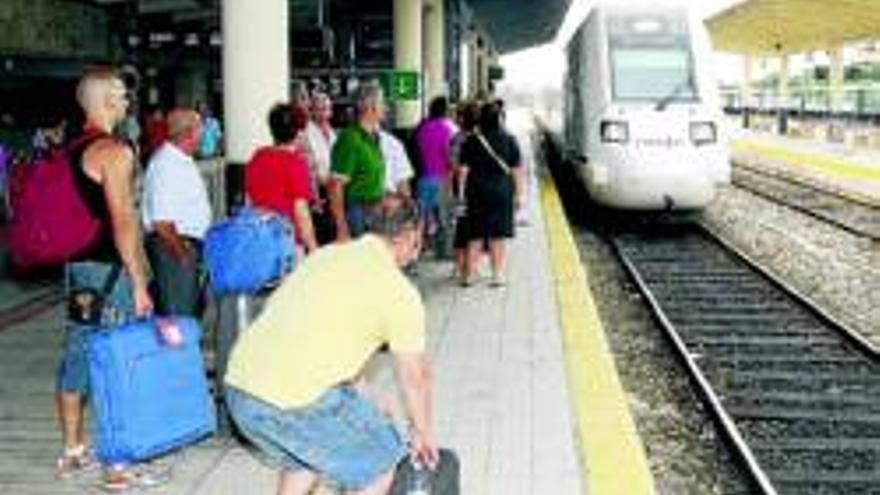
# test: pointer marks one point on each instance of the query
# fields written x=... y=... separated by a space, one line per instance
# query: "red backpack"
x=51 y=222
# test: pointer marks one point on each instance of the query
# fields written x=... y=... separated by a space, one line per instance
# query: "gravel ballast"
x=838 y=270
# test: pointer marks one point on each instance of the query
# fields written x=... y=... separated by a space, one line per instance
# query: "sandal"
x=497 y=281
x=75 y=460
x=120 y=479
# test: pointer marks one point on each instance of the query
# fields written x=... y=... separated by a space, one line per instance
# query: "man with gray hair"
x=357 y=170
x=176 y=214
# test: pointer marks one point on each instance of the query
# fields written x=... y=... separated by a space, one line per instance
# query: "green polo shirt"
x=357 y=157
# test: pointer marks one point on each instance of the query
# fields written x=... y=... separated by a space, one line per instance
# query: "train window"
x=651 y=59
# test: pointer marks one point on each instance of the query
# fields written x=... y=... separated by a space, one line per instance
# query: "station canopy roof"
x=765 y=27
x=518 y=24
x=512 y=24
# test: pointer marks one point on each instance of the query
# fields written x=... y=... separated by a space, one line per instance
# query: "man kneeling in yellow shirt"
x=290 y=378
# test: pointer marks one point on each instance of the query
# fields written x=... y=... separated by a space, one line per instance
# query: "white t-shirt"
x=398 y=168
x=318 y=147
x=174 y=191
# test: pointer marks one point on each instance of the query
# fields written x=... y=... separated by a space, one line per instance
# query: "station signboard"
x=401 y=85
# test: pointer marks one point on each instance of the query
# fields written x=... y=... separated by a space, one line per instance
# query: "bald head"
x=184 y=129
x=102 y=96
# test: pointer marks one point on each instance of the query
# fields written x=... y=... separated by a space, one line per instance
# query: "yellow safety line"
x=612 y=454
x=822 y=161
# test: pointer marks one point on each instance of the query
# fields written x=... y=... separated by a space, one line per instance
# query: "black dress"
x=490 y=188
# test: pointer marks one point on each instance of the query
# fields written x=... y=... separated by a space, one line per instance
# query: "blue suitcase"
x=149 y=397
x=248 y=251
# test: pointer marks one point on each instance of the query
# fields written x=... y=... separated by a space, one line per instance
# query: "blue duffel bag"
x=149 y=389
x=249 y=251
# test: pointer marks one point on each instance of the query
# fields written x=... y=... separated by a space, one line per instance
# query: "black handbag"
x=445 y=479
x=86 y=304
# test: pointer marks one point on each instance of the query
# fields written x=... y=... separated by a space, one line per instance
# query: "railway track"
x=851 y=213
x=797 y=394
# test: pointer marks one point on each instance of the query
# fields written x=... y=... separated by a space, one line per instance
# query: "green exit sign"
x=401 y=85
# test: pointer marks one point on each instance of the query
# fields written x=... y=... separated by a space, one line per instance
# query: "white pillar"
x=472 y=65
x=256 y=75
x=408 y=56
x=464 y=69
x=479 y=61
x=435 y=49
x=256 y=71
x=836 y=78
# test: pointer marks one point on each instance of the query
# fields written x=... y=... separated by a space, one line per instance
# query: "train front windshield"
x=651 y=59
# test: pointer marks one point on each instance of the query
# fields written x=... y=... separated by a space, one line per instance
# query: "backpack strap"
x=111 y=280
x=494 y=154
x=91 y=191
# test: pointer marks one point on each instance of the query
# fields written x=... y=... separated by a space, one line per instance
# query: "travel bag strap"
x=501 y=163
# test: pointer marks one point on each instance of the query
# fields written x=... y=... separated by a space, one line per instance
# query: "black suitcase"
x=444 y=480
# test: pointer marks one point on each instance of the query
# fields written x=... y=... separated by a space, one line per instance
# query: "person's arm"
x=343 y=160
x=519 y=173
x=416 y=380
x=462 y=176
x=304 y=226
x=116 y=164
x=335 y=190
x=404 y=189
x=519 y=177
x=382 y=400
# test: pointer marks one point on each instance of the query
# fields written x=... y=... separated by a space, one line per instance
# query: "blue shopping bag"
x=249 y=251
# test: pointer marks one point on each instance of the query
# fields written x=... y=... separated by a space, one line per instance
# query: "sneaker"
x=497 y=281
x=118 y=479
x=76 y=460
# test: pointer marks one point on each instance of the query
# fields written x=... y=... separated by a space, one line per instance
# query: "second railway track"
x=856 y=215
x=796 y=393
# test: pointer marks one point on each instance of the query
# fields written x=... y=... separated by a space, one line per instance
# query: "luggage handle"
x=170 y=331
x=167 y=329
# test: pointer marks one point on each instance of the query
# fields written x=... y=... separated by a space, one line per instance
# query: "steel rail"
x=706 y=392
x=853 y=227
x=853 y=336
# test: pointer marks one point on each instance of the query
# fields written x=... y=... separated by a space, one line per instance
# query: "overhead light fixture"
x=647 y=26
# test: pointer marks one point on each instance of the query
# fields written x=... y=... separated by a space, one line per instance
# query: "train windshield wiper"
x=662 y=103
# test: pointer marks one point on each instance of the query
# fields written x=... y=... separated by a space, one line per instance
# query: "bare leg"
x=473 y=257
x=70 y=417
x=498 y=255
x=461 y=262
x=296 y=482
x=378 y=487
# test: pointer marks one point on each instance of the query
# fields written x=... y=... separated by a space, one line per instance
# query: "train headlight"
x=614 y=131
x=703 y=133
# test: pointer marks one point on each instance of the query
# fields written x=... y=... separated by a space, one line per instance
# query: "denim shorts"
x=428 y=192
x=73 y=370
x=342 y=436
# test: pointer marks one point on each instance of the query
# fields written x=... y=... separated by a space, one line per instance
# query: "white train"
x=642 y=115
